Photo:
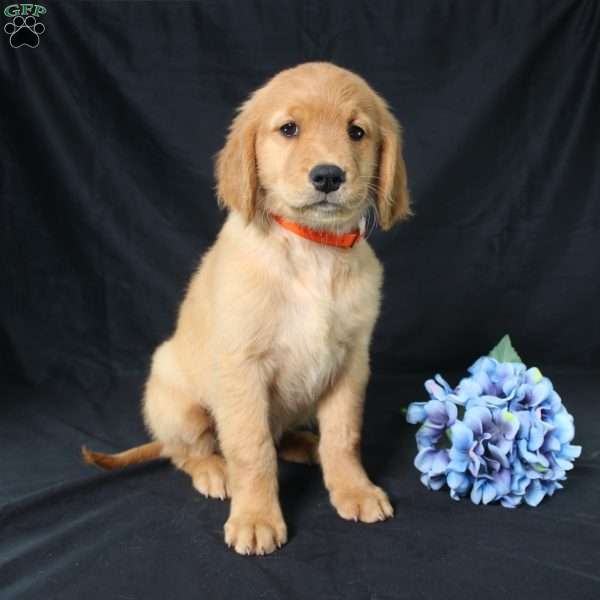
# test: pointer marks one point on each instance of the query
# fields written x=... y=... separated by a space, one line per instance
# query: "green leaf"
x=505 y=352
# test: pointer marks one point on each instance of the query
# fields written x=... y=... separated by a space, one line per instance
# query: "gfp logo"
x=24 y=29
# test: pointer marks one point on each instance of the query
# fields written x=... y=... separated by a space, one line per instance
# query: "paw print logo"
x=24 y=31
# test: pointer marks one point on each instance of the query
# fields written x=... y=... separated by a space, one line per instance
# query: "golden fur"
x=274 y=330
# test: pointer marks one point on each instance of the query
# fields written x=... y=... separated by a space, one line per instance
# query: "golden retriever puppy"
x=275 y=327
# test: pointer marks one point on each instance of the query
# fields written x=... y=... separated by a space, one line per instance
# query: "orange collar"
x=339 y=240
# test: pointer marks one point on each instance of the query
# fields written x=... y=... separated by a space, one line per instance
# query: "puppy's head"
x=317 y=145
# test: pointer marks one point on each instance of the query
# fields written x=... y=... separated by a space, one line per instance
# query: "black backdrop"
x=108 y=131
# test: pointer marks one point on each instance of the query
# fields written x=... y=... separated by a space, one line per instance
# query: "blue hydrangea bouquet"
x=503 y=434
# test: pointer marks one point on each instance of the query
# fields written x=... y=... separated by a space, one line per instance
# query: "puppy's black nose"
x=326 y=178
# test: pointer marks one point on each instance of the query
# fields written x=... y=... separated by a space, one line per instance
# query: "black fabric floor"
x=72 y=532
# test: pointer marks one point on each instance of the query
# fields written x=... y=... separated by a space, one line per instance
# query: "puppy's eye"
x=290 y=129
x=355 y=132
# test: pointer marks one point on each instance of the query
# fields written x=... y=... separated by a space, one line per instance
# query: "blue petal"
x=541 y=391
x=458 y=399
x=519 y=485
x=526 y=455
x=564 y=464
x=469 y=388
x=433 y=483
x=551 y=443
x=569 y=451
x=462 y=437
x=489 y=493
x=452 y=412
x=416 y=412
x=458 y=464
x=507 y=423
x=439 y=464
x=504 y=370
x=510 y=384
x=485 y=364
x=443 y=383
x=519 y=369
x=436 y=412
x=435 y=390
x=483 y=380
x=476 y=492
x=518 y=397
x=502 y=482
x=475 y=464
x=477 y=418
x=535 y=493
x=492 y=465
x=554 y=402
x=564 y=429
x=495 y=453
x=457 y=481
x=504 y=445
x=533 y=375
x=472 y=402
x=495 y=401
x=437 y=483
x=424 y=459
x=510 y=502
x=524 y=424
x=536 y=436
x=427 y=436
x=550 y=487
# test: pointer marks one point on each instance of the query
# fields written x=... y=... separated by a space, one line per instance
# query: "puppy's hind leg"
x=185 y=428
x=194 y=451
x=299 y=447
x=209 y=475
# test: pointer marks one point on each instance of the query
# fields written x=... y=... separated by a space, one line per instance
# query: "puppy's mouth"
x=325 y=203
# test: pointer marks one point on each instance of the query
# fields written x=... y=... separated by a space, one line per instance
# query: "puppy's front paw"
x=367 y=504
x=255 y=534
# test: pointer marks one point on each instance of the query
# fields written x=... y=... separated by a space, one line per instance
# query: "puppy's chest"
x=323 y=313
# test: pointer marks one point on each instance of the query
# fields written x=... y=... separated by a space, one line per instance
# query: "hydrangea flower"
x=503 y=434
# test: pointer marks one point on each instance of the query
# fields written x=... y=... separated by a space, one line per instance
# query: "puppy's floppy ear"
x=236 y=168
x=393 y=200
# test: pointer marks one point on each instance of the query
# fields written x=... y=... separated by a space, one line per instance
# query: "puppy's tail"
x=134 y=456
